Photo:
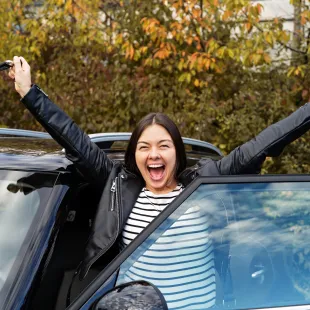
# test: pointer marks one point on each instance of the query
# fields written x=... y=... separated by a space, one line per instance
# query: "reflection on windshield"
x=20 y=198
x=16 y=214
x=260 y=231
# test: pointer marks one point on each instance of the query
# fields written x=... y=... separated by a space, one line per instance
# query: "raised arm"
x=249 y=157
x=90 y=160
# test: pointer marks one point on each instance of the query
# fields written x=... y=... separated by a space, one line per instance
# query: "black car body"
x=261 y=224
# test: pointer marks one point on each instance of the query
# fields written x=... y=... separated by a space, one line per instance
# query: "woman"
x=154 y=162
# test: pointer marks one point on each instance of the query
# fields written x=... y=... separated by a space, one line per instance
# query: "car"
x=43 y=218
x=258 y=226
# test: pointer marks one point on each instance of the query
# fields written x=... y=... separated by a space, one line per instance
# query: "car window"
x=16 y=214
x=195 y=149
x=21 y=195
x=238 y=245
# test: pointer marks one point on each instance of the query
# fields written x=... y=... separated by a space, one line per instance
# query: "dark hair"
x=162 y=120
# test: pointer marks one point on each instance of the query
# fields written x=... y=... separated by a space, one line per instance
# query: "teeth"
x=155 y=166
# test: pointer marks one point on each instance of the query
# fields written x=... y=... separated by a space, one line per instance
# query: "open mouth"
x=156 y=171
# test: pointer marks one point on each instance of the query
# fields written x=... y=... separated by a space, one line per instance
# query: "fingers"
x=17 y=63
x=24 y=63
x=12 y=73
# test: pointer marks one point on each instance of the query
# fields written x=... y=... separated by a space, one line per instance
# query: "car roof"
x=23 y=133
x=31 y=153
x=37 y=150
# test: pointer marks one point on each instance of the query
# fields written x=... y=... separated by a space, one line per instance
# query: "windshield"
x=22 y=194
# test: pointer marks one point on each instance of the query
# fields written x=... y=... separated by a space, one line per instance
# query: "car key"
x=6 y=65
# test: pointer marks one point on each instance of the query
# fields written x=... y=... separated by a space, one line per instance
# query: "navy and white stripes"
x=181 y=261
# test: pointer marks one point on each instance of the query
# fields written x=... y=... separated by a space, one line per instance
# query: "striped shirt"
x=181 y=261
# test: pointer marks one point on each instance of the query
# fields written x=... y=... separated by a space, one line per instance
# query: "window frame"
x=97 y=287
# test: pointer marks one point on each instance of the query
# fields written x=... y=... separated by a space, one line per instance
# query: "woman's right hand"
x=21 y=73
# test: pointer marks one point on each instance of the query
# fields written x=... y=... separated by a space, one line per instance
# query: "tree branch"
x=279 y=42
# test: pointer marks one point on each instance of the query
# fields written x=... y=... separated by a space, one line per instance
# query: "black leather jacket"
x=121 y=188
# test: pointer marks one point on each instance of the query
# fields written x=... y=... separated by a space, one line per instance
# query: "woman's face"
x=156 y=159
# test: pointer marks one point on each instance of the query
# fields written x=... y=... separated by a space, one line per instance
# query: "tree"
x=206 y=63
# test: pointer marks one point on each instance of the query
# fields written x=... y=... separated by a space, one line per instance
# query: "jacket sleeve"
x=89 y=159
x=249 y=157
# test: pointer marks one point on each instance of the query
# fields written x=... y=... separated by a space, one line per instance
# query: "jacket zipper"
x=118 y=198
x=114 y=194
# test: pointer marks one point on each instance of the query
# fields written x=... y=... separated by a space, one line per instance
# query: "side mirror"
x=136 y=295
